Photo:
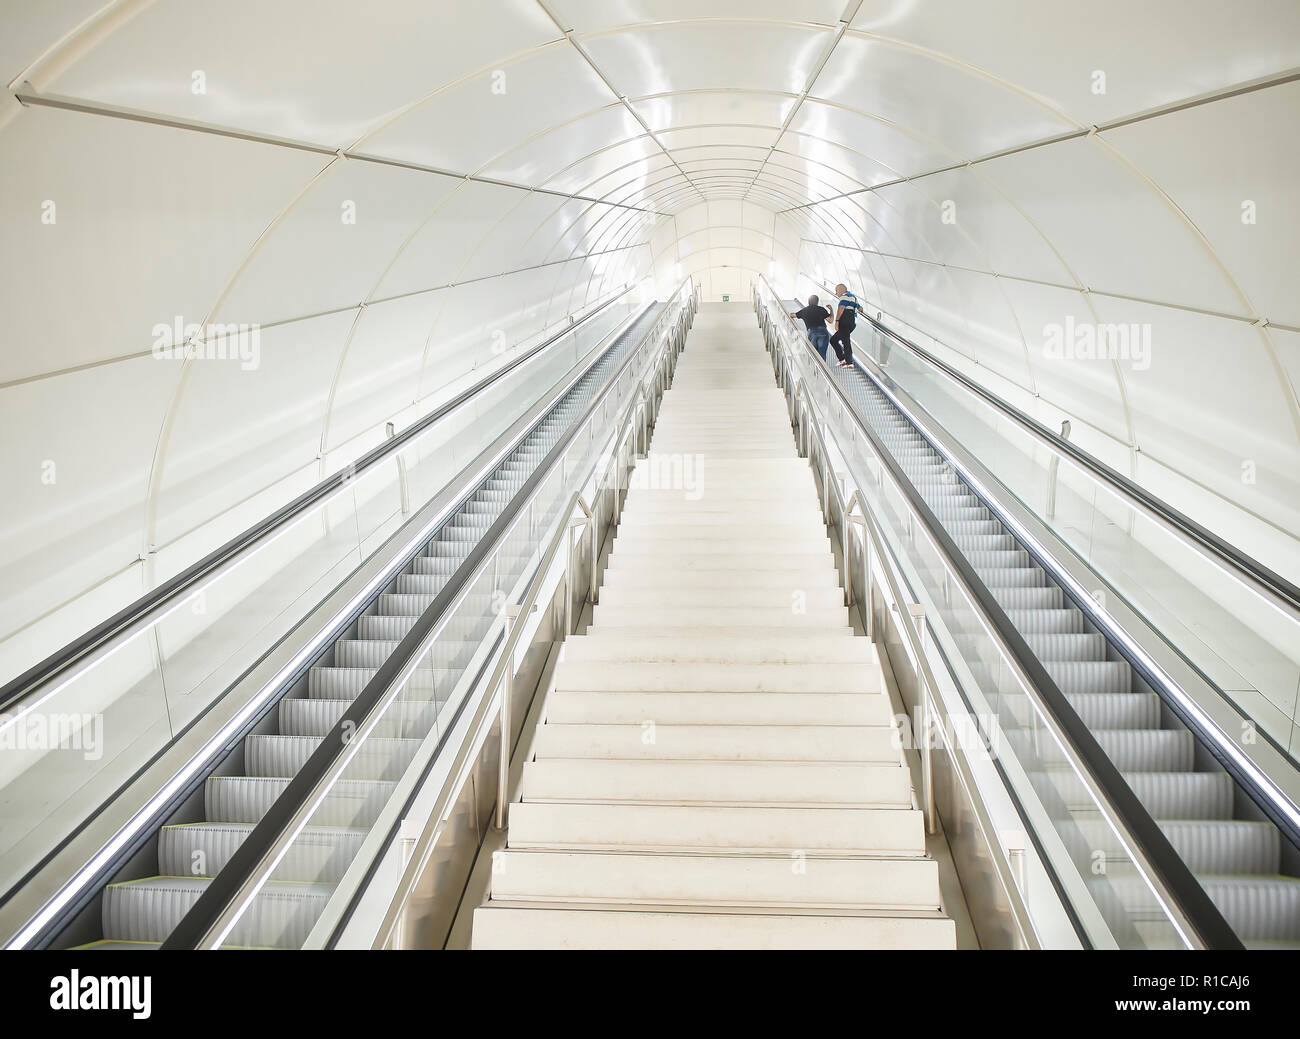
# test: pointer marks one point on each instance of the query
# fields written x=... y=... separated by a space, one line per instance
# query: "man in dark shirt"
x=814 y=319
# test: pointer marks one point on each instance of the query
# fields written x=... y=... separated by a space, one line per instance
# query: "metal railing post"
x=917 y=613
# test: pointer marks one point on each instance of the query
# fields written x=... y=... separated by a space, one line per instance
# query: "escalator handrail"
x=80 y=653
x=1175 y=878
x=244 y=864
x=1237 y=562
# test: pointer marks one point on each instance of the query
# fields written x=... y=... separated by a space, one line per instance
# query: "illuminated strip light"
x=143 y=818
x=1210 y=728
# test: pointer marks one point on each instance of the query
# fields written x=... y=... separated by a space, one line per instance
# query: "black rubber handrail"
x=1174 y=874
x=1247 y=566
x=202 y=916
x=31 y=681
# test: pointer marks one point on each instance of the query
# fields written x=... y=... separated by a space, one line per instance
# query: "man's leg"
x=848 y=345
x=835 y=342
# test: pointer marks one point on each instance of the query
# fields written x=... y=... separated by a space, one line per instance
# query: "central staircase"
x=717 y=766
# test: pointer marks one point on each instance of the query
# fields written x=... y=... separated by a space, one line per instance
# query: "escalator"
x=1240 y=857
x=139 y=911
x=1236 y=856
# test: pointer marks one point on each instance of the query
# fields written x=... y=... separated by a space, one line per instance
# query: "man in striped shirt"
x=846 y=317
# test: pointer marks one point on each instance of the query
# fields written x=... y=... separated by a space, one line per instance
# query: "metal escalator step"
x=245 y=799
x=1014 y=577
x=421 y=583
x=1096 y=710
x=1091 y=676
x=1148 y=750
x=408 y=605
x=372 y=653
x=999 y=559
x=1067 y=646
x=1226 y=845
x=985 y=542
x=376 y=627
x=281 y=915
x=376 y=758
x=441 y=566
x=1183 y=795
x=1041 y=622
x=410 y=719
x=1258 y=908
x=318 y=855
x=1049 y=598
x=1131 y=750
x=1208 y=846
x=964 y=525
x=1117 y=710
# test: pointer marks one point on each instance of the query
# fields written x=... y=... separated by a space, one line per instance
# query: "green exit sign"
x=726 y=299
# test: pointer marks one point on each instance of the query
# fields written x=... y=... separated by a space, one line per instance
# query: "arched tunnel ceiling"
x=1094 y=160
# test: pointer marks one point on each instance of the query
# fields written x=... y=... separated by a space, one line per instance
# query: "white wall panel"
x=1110 y=227
x=215 y=453
x=345 y=230
x=1231 y=169
x=157 y=232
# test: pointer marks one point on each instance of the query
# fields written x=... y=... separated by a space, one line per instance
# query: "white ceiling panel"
x=590 y=16
x=715 y=107
x=959 y=111
x=538 y=160
x=470 y=124
x=683 y=56
x=346 y=230
x=1240 y=192
x=899 y=151
x=29 y=28
x=145 y=239
x=1151 y=53
x=1110 y=227
x=256 y=75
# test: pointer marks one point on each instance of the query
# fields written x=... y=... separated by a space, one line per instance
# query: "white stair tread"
x=509 y=925
x=838 y=831
x=707 y=676
x=812 y=647
x=716 y=782
x=695 y=708
x=696 y=742
x=753 y=880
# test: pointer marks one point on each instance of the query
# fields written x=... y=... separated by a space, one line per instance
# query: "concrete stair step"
x=717 y=880
x=717 y=782
x=737 y=580
x=708 y=677
x=742 y=617
x=656 y=828
x=792 y=598
x=633 y=708
x=663 y=741
x=508 y=925
x=814 y=532
x=803 y=648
